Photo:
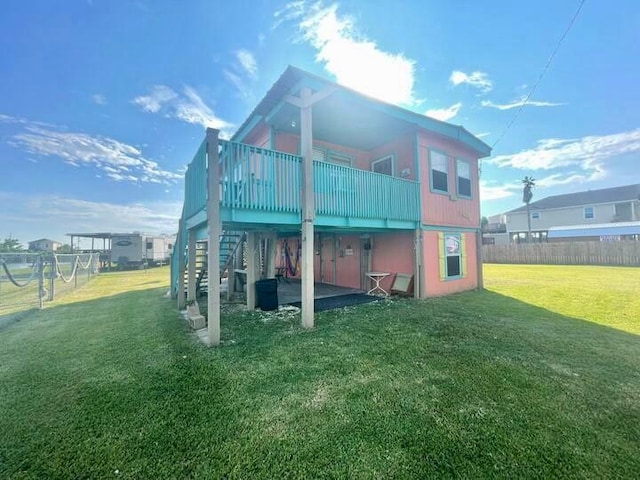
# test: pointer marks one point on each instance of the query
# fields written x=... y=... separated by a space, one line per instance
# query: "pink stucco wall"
x=433 y=285
x=390 y=252
x=402 y=150
x=260 y=136
x=393 y=253
x=440 y=209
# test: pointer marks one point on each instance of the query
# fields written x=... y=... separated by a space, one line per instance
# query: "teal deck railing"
x=262 y=180
x=349 y=192
x=259 y=179
x=195 y=183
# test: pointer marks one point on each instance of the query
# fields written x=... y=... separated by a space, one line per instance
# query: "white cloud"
x=483 y=134
x=355 y=61
x=188 y=107
x=99 y=99
x=445 y=114
x=479 y=80
x=117 y=160
x=35 y=216
x=582 y=152
x=497 y=192
x=158 y=98
x=247 y=62
x=583 y=159
x=519 y=103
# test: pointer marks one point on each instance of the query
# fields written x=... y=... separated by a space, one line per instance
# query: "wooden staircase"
x=230 y=243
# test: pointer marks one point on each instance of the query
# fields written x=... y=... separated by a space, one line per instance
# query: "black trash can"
x=267 y=294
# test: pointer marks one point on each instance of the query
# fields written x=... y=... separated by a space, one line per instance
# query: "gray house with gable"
x=592 y=214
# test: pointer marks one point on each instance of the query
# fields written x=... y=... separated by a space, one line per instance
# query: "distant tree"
x=484 y=221
x=11 y=245
x=66 y=248
x=527 y=194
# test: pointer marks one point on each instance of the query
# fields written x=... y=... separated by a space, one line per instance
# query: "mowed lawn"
x=538 y=377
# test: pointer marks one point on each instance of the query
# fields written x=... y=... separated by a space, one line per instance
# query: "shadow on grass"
x=472 y=385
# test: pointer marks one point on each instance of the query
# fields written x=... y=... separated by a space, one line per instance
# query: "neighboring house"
x=495 y=231
x=590 y=208
x=44 y=245
x=347 y=185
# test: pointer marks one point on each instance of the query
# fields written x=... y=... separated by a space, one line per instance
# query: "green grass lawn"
x=536 y=377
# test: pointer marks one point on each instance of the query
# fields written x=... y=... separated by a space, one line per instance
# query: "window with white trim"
x=589 y=213
x=439 y=164
x=535 y=215
x=463 y=178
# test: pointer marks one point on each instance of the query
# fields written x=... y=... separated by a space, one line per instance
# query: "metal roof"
x=588 y=197
x=595 y=230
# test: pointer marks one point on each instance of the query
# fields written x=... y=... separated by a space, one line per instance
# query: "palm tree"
x=527 y=194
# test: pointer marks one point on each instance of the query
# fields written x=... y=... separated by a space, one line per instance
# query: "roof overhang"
x=345 y=116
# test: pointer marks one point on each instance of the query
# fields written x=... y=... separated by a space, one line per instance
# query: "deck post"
x=251 y=270
x=213 y=222
x=179 y=250
x=272 y=254
x=419 y=252
x=191 y=268
x=308 y=207
x=479 y=259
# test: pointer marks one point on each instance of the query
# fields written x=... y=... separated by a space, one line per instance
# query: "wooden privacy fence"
x=565 y=253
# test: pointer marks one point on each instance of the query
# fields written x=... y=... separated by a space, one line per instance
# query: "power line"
x=544 y=70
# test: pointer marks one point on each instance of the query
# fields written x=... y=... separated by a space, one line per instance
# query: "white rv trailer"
x=136 y=250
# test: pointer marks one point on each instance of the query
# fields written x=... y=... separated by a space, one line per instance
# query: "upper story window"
x=589 y=213
x=535 y=215
x=439 y=164
x=384 y=165
x=463 y=174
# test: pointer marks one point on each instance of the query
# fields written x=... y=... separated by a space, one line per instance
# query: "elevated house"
x=44 y=245
x=589 y=215
x=331 y=185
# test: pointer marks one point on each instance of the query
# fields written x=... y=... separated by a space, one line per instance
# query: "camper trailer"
x=137 y=250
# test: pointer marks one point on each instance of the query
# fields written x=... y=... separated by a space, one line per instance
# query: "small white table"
x=377 y=277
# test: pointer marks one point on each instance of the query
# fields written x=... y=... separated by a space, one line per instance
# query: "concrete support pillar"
x=191 y=268
x=215 y=229
x=252 y=268
x=308 y=208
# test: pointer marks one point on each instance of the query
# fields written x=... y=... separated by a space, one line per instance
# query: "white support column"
x=308 y=207
x=272 y=253
x=215 y=229
x=419 y=255
x=179 y=250
x=191 y=268
x=251 y=269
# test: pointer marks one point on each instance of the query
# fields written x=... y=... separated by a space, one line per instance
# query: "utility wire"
x=542 y=73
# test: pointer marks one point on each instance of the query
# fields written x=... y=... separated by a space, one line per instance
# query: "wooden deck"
x=290 y=290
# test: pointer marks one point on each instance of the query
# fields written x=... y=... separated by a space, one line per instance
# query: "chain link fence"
x=29 y=280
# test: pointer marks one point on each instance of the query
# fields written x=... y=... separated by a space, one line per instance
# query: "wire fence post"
x=54 y=270
x=41 y=290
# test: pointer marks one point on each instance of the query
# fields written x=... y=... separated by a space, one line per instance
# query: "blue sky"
x=104 y=102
